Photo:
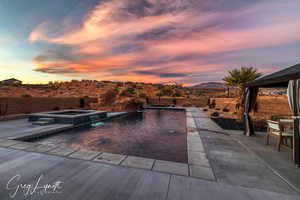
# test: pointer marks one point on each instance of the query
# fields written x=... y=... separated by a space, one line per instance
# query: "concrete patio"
x=240 y=172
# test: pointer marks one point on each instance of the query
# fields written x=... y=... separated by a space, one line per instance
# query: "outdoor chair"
x=276 y=130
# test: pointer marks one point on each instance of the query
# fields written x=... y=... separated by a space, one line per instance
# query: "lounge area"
x=289 y=78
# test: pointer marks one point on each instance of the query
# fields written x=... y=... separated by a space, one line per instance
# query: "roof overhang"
x=277 y=79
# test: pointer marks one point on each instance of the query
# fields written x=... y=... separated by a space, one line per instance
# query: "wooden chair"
x=275 y=129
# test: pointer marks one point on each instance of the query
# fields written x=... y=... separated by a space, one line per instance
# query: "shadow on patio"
x=281 y=163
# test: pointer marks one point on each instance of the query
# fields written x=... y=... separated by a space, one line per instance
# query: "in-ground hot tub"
x=70 y=116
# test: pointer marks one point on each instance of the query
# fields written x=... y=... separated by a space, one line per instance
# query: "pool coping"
x=198 y=165
x=62 y=127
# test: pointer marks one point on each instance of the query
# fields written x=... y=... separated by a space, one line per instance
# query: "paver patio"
x=171 y=167
x=225 y=168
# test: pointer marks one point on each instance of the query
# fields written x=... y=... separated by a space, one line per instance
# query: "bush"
x=26 y=95
x=177 y=93
x=142 y=95
x=215 y=114
x=212 y=104
x=166 y=92
x=109 y=97
x=56 y=108
x=226 y=110
x=130 y=90
x=204 y=110
x=218 y=109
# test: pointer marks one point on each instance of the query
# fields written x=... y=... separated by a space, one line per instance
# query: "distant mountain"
x=211 y=85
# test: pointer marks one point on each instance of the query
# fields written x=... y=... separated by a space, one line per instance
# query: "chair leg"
x=286 y=141
x=279 y=143
x=267 y=139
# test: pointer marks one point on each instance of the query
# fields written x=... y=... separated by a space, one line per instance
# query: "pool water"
x=157 y=134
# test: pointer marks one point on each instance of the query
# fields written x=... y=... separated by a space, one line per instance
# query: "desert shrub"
x=56 y=108
x=120 y=84
x=130 y=90
x=199 y=93
x=167 y=91
x=177 y=93
x=208 y=101
x=226 y=110
x=218 y=109
x=26 y=95
x=204 y=110
x=215 y=114
x=142 y=95
x=133 y=105
x=109 y=97
x=212 y=104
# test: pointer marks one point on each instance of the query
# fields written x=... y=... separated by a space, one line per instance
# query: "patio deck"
x=240 y=174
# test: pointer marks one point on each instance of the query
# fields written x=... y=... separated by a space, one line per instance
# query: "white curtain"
x=293 y=94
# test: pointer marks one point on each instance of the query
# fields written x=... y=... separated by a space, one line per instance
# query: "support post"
x=296 y=147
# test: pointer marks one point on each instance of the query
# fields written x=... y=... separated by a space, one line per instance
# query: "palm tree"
x=239 y=77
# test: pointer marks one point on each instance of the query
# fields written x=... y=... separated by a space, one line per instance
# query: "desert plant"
x=109 y=97
x=56 y=108
x=130 y=90
x=226 y=110
x=142 y=95
x=166 y=92
x=238 y=78
x=177 y=93
x=3 y=109
x=215 y=114
x=159 y=95
x=212 y=104
x=26 y=95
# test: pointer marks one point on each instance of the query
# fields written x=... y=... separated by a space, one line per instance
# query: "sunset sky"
x=186 y=41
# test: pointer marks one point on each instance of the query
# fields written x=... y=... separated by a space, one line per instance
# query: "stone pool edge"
x=198 y=165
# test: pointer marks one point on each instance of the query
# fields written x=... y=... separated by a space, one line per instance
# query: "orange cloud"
x=118 y=38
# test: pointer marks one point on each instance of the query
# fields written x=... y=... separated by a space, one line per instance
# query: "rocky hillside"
x=211 y=86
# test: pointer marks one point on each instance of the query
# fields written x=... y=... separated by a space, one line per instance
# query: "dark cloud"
x=161 y=74
x=56 y=54
x=56 y=70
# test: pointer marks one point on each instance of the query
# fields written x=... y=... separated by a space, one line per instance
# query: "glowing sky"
x=187 y=41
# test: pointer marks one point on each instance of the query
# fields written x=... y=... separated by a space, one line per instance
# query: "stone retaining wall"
x=266 y=106
x=10 y=106
x=198 y=102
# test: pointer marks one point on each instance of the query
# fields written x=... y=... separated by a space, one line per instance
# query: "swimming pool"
x=151 y=133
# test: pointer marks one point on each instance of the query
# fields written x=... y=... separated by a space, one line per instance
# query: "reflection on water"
x=159 y=134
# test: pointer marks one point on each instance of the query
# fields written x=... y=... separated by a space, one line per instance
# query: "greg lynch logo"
x=15 y=186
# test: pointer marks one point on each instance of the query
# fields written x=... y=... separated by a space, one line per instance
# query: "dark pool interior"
x=70 y=113
x=157 y=134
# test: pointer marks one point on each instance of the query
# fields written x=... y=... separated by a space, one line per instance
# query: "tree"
x=159 y=94
x=239 y=77
x=166 y=91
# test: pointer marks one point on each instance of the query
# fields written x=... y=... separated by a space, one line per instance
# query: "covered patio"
x=289 y=78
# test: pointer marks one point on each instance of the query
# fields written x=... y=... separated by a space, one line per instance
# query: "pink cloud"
x=110 y=28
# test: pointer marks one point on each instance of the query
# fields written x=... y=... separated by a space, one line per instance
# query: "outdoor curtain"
x=294 y=102
x=250 y=100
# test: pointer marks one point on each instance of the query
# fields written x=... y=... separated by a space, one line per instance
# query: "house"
x=11 y=81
